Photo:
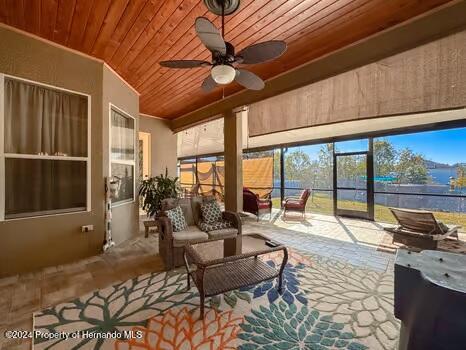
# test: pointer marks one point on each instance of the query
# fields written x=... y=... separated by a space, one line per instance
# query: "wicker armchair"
x=297 y=204
x=171 y=244
x=255 y=205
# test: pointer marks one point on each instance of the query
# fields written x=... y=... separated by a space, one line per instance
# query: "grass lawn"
x=323 y=204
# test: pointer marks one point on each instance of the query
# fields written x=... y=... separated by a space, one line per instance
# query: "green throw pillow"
x=211 y=212
x=177 y=218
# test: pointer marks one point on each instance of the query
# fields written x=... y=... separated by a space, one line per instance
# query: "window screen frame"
x=122 y=161
x=4 y=156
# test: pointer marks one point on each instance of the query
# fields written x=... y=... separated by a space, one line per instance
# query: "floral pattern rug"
x=325 y=304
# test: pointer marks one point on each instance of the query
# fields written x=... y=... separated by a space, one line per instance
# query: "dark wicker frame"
x=218 y=276
x=173 y=256
x=252 y=201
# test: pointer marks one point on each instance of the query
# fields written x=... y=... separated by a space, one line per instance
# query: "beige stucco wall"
x=163 y=145
x=29 y=244
x=125 y=222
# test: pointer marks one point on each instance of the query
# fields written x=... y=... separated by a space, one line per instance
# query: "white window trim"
x=4 y=155
x=121 y=161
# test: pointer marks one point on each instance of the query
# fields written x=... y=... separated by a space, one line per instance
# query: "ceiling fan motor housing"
x=215 y=6
x=228 y=58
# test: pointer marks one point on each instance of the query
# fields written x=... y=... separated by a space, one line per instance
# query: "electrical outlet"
x=87 y=228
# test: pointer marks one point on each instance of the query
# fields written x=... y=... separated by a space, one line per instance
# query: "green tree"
x=411 y=168
x=324 y=171
x=384 y=158
x=298 y=166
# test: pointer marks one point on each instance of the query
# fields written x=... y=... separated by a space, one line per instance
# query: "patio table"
x=213 y=275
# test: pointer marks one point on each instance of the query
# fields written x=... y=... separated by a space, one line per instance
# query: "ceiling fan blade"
x=249 y=80
x=184 y=64
x=208 y=84
x=261 y=52
x=210 y=35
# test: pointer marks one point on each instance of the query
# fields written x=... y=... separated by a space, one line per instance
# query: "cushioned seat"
x=191 y=234
x=263 y=205
x=171 y=243
x=255 y=205
x=292 y=204
x=223 y=233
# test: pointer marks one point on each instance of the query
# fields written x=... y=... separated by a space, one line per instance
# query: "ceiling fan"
x=224 y=59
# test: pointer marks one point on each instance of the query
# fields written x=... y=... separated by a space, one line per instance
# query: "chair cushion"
x=189 y=235
x=211 y=212
x=206 y=227
x=264 y=204
x=185 y=204
x=223 y=233
x=177 y=218
x=293 y=204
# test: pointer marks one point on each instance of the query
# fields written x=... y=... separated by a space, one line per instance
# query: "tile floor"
x=22 y=295
x=348 y=240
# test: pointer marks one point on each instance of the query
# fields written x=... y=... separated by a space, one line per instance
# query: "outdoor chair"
x=171 y=243
x=297 y=204
x=419 y=228
x=253 y=204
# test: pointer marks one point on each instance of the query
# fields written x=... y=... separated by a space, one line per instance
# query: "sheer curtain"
x=123 y=155
x=42 y=121
x=122 y=137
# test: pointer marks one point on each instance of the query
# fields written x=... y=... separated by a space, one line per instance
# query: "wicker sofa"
x=171 y=244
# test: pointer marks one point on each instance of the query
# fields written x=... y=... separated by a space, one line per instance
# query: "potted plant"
x=155 y=189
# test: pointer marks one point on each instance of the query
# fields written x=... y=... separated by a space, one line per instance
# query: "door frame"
x=145 y=137
x=369 y=213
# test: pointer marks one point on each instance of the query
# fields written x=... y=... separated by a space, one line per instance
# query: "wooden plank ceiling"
x=132 y=36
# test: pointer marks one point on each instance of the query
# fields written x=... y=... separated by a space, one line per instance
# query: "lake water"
x=442 y=175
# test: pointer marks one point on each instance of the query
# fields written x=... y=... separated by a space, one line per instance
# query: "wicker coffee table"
x=214 y=275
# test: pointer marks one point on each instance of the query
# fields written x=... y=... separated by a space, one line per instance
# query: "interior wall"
x=163 y=145
x=125 y=217
x=427 y=78
x=29 y=244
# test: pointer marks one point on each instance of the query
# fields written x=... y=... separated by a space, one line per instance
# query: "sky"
x=445 y=146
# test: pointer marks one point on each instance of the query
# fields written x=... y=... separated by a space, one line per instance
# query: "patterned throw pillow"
x=219 y=225
x=211 y=212
x=177 y=218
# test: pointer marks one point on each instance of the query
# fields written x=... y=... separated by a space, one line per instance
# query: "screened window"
x=310 y=167
x=424 y=170
x=45 y=154
x=122 y=136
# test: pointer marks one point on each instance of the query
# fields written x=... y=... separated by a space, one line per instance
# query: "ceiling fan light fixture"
x=223 y=74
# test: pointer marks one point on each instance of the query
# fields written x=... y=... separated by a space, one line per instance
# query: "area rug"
x=325 y=304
